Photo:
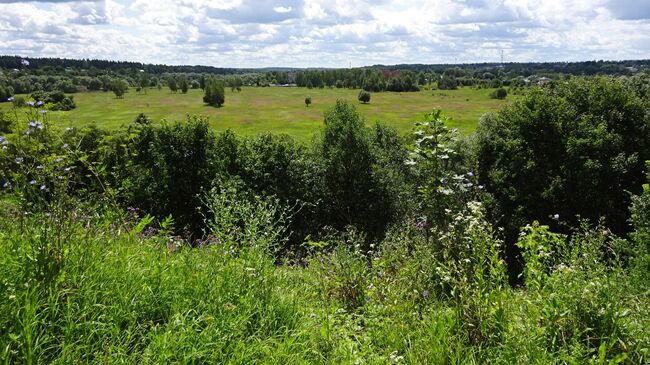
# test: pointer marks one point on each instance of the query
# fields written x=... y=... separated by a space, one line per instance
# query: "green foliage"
x=165 y=169
x=356 y=192
x=574 y=149
x=499 y=93
x=364 y=96
x=445 y=185
x=183 y=84
x=214 y=92
x=172 y=84
x=119 y=87
x=55 y=100
x=6 y=92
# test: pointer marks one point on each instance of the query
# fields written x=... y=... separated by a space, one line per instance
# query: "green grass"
x=82 y=287
x=277 y=109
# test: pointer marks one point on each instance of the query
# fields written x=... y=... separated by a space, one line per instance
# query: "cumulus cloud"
x=330 y=33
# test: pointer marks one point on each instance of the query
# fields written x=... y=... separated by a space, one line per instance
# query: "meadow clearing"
x=277 y=109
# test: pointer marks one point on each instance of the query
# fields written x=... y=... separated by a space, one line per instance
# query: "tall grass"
x=79 y=286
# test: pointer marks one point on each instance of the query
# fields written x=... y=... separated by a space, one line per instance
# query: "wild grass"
x=90 y=285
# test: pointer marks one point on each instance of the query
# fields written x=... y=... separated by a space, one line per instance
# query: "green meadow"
x=277 y=109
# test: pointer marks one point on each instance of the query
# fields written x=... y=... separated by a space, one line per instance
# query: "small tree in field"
x=173 y=86
x=364 y=96
x=119 y=87
x=214 y=93
x=307 y=101
x=144 y=81
x=183 y=85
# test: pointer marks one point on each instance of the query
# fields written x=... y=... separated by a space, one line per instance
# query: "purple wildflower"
x=67 y=169
x=6 y=184
x=39 y=167
x=58 y=159
x=42 y=187
x=32 y=182
x=11 y=98
x=39 y=103
x=65 y=145
x=19 y=160
x=30 y=103
x=42 y=111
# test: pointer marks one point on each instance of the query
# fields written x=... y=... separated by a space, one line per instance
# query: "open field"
x=277 y=109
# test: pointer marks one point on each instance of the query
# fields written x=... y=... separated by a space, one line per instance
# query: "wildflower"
x=42 y=111
x=11 y=98
x=312 y=315
x=60 y=177
x=470 y=174
x=65 y=145
x=58 y=159
x=42 y=187
x=30 y=103
x=6 y=184
x=556 y=216
x=39 y=167
x=3 y=141
x=19 y=160
x=67 y=169
x=29 y=131
x=69 y=129
x=469 y=185
x=32 y=182
x=39 y=103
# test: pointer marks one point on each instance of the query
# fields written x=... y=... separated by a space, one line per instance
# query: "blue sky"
x=328 y=33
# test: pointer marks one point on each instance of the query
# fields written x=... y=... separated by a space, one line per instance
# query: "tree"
x=144 y=81
x=307 y=101
x=352 y=171
x=364 y=96
x=214 y=92
x=119 y=87
x=173 y=86
x=183 y=84
x=576 y=149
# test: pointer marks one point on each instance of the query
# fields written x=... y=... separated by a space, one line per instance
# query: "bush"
x=357 y=193
x=499 y=93
x=6 y=92
x=364 y=96
x=570 y=150
x=307 y=101
x=214 y=92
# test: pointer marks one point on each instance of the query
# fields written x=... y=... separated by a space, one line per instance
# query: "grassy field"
x=277 y=109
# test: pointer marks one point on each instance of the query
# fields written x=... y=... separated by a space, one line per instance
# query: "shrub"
x=214 y=92
x=499 y=93
x=364 y=96
x=307 y=101
x=574 y=149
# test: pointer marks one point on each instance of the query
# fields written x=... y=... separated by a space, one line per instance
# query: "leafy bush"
x=356 y=194
x=499 y=93
x=364 y=96
x=214 y=92
x=574 y=149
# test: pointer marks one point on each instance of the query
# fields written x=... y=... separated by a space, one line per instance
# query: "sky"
x=326 y=33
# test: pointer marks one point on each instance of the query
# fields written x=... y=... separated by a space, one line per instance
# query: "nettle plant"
x=443 y=189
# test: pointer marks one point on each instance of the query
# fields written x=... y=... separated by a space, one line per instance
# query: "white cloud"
x=332 y=33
